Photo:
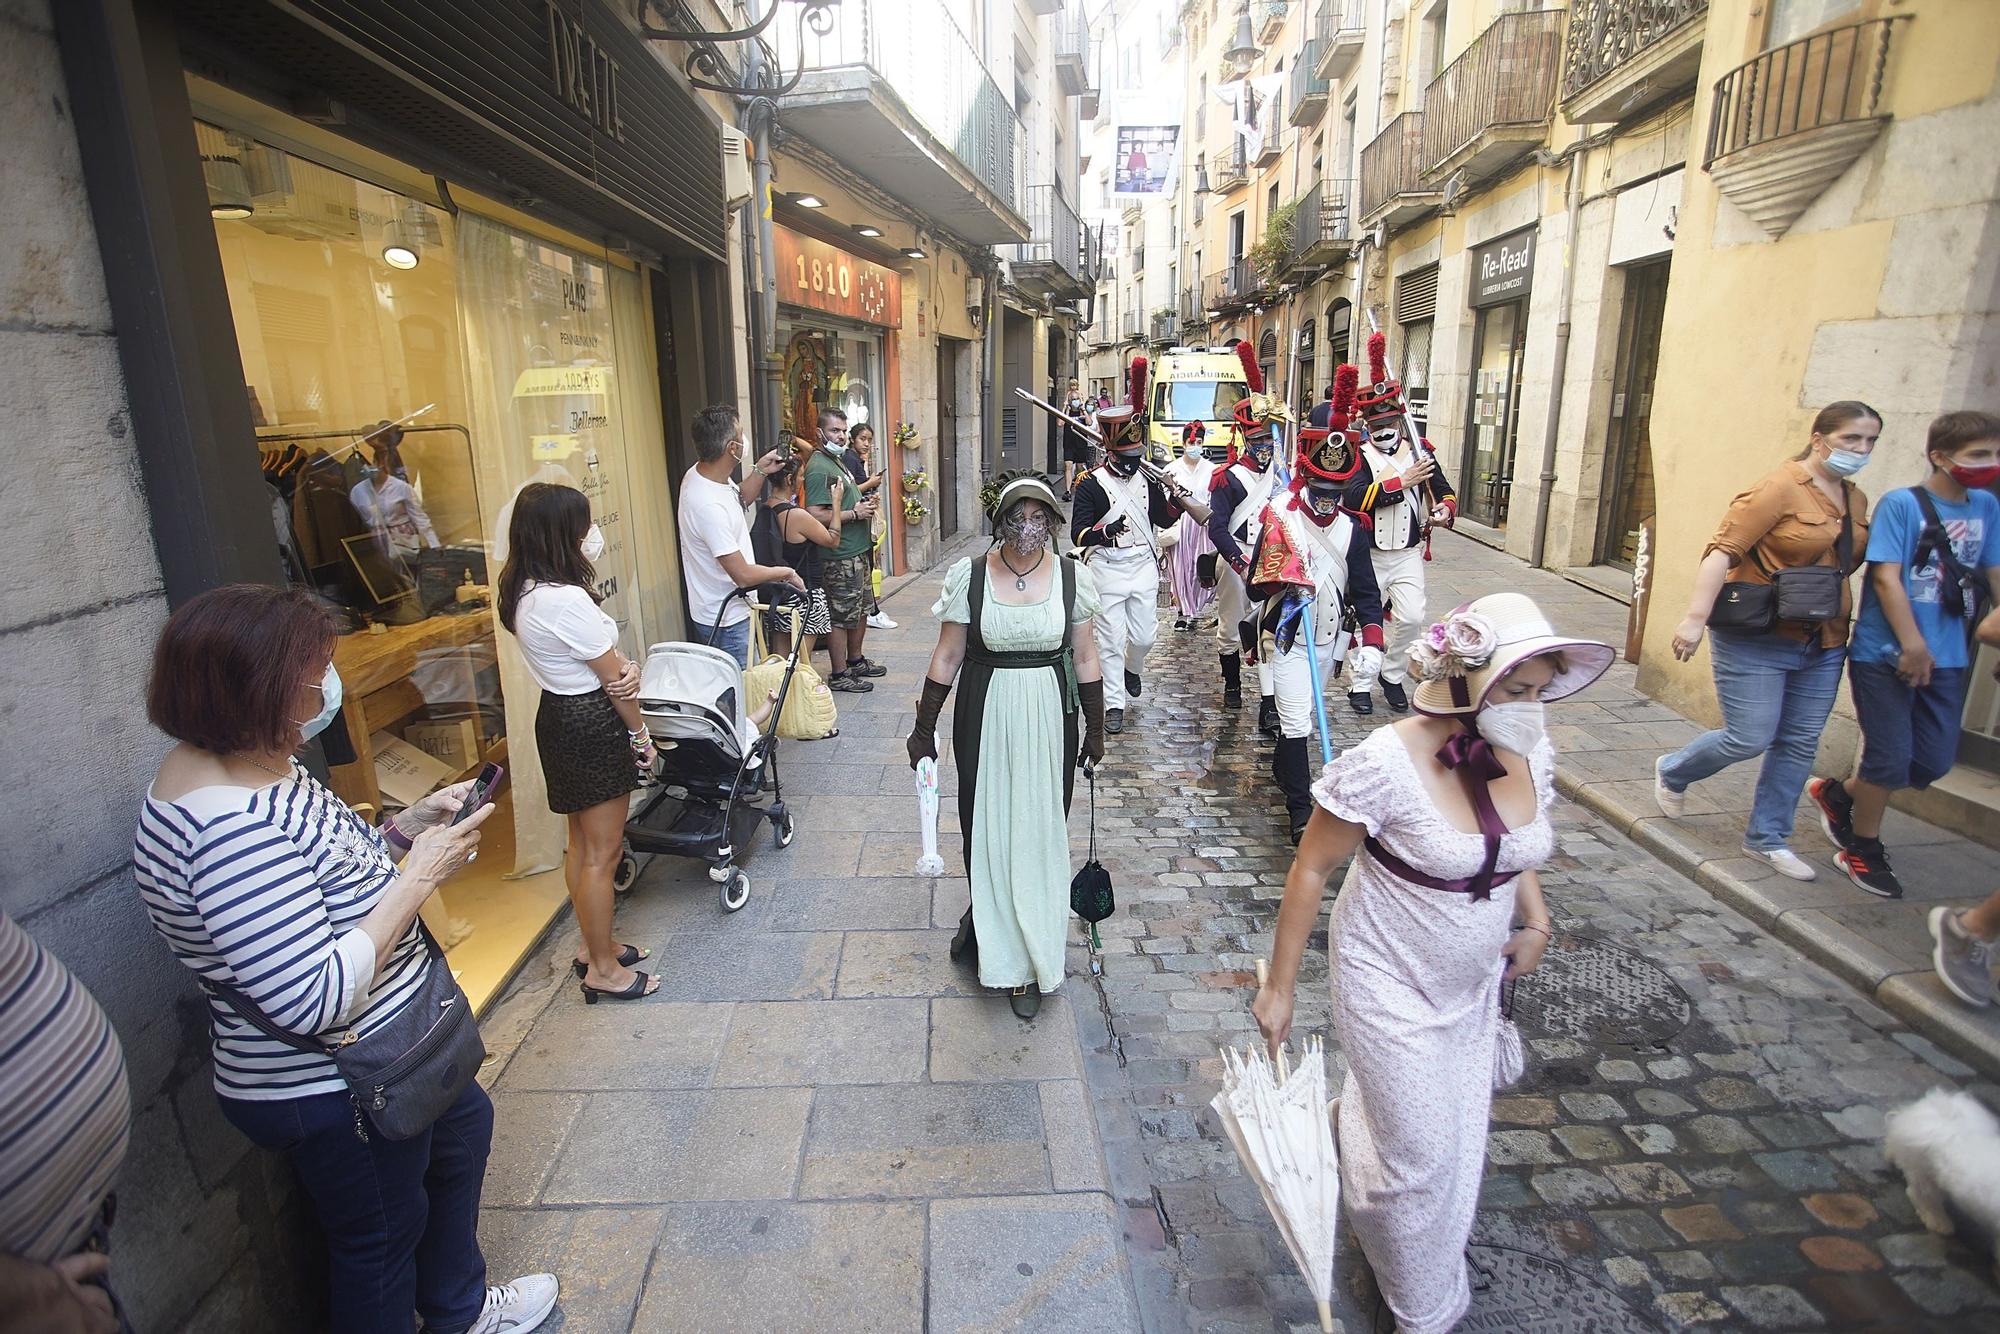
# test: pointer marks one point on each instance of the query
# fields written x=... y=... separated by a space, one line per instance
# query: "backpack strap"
x=975 y=600
x=1934 y=548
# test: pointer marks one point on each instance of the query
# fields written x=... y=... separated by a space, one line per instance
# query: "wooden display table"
x=375 y=672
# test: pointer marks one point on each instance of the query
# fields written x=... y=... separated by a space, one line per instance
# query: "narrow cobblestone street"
x=823 y=1123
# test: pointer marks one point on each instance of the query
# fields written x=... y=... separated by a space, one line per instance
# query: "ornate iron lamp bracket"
x=706 y=65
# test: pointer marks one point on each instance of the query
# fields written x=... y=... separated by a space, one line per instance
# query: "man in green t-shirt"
x=846 y=571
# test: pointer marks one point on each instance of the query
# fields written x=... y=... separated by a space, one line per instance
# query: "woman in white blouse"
x=588 y=732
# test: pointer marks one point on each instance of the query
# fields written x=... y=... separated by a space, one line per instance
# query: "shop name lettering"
x=584 y=74
x=1502 y=264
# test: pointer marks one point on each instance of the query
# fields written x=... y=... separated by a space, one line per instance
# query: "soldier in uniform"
x=1311 y=568
x=1237 y=496
x=1118 y=509
x=1401 y=493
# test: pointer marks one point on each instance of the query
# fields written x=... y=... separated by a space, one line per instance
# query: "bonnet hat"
x=1022 y=486
x=1460 y=658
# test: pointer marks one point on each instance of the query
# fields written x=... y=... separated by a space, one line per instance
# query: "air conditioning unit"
x=737 y=185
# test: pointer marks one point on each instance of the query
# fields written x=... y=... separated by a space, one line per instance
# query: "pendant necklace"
x=1021 y=576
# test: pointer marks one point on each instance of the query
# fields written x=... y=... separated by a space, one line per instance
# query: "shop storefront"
x=1503 y=273
x=416 y=345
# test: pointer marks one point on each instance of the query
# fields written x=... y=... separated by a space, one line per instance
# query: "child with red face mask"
x=1933 y=568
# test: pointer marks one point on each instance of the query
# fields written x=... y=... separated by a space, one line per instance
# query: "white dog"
x=1948 y=1147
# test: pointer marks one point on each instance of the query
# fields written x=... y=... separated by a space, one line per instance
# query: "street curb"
x=1913 y=995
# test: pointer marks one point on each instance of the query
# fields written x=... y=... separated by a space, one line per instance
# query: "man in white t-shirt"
x=715 y=535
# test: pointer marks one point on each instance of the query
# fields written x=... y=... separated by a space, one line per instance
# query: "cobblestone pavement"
x=1696 y=1143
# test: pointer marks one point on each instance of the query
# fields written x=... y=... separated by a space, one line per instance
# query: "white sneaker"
x=1672 y=804
x=1786 y=861
x=880 y=621
x=517 y=1307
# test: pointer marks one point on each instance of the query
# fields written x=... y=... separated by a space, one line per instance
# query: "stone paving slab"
x=601 y=1255
x=925 y=1140
x=975 y=1041
x=808 y=1043
x=652 y=1045
x=1029 y=1263
x=710 y=1144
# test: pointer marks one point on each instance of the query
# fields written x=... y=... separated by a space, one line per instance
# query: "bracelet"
x=1542 y=927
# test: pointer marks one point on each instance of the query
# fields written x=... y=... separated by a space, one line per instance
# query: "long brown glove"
x=1090 y=694
x=922 y=744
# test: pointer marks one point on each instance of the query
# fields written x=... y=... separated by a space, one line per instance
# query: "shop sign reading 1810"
x=819 y=276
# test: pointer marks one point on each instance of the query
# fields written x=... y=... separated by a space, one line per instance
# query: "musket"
x=1152 y=470
x=1416 y=436
x=1086 y=428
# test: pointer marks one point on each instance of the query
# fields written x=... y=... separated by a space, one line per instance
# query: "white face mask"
x=1518 y=727
x=593 y=545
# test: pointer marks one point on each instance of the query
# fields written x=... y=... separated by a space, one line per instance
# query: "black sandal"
x=627 y=956
x=637 y=991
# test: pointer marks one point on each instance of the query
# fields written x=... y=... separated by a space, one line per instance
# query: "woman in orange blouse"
x=1777 y=688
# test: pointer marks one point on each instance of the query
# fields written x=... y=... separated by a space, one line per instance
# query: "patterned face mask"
x=1025 y=529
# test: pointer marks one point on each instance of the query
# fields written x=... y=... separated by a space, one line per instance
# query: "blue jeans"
x=1776 y=694
x=400 y=1216
x=731 y=639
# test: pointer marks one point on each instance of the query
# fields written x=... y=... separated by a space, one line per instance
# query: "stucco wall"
x=81 y=601
x=1885 y=289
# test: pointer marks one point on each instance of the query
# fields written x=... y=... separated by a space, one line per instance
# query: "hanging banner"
x=1145 y=161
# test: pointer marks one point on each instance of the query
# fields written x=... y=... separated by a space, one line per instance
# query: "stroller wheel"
x=785 y=830
x=736 y=890
x=628 y=872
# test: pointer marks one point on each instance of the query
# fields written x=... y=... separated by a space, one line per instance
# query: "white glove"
x=1368 y=661
x=432 y=810
x=1166 y=537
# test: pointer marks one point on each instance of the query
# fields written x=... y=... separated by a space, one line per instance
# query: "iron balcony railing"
x=1334 y=18
x=1506 y=77
x=1324 y=217
x=1232 y=166
x=1270 y=16
x=1055 y=236
x=1138 y=253
x=915 y=47
x=1236 y=286
x=1073 y=37
x=1605 y=34
x=1191 y=307
x=1828 y=78
x=1166 y=325
x=1309 y=90
x=1390 y=163
x=1132 y=324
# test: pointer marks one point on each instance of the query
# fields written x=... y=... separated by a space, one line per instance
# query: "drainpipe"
x=1573 y=205
x=754 y=118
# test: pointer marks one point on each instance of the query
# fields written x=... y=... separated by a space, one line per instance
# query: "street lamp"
x=1242 y=52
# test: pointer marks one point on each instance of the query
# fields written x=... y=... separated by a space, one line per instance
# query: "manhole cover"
x=1598 y=993
x=1517 y=1293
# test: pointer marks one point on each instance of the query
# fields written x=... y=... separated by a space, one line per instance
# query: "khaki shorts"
x=848 y=589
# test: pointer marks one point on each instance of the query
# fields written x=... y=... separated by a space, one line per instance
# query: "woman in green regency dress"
x=1030 y=710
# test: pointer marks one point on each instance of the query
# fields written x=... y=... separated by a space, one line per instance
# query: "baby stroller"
x=717 y=764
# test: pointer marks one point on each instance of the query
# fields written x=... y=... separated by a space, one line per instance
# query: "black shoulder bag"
x=1959 y=593
x=1797 y=593
x=407 y=1073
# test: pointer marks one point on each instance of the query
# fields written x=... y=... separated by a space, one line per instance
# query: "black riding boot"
x=965 y=945
x=1267 y=715
x=1294 y=774
x=1232 y=681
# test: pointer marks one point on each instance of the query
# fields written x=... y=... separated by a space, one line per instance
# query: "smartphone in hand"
x=482 y=791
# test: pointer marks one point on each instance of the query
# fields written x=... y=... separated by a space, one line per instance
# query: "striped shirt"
x=65 y=1112
x=264 y=889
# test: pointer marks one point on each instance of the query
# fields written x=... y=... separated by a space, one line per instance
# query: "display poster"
x=1145 y=161
x=820 y=276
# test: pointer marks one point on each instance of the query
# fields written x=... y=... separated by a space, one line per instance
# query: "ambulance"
x=1194 y=384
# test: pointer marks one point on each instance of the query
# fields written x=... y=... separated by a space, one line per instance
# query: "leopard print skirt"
x=586 y=756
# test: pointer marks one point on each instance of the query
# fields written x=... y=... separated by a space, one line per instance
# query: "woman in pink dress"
x=1446 y=816
x=1187 y=541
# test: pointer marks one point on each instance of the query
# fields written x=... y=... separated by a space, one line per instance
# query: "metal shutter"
x=1417 y=295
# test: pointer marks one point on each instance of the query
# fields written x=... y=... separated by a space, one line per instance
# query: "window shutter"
x=1417 y=296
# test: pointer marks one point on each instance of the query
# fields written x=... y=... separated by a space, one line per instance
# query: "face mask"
x=1122 y=464
x=1260 y=454
x=593 y=544
x=1517 y=727
x=329 y=704
x=1975 y=478
x=1845 y=462
x=1025 y=530
x=1191 y=450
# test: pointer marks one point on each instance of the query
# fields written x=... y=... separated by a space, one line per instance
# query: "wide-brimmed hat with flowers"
x=1460 y=658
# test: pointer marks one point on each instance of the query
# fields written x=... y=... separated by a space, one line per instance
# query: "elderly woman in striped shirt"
x=262 y=880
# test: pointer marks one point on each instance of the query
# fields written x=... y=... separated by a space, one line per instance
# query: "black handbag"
x=407 y=1073
x=1809 y=593
x=1090 y=895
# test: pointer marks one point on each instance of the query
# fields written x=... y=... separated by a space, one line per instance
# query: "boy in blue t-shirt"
x=1907 y=664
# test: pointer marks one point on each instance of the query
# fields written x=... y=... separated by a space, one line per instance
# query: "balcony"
x=1132 y=325
x=1231 y=170
x=1072 y=43
x=895 y=93
x=1272 y=146
x=1166 y=326
x=1490 y=108
x=1339 y=29
x=1269 y=17
x=1138 y=253
x=1787 y=124
x=1323 y=228
x=1234 y=288
x=1050 y=265
x=1191 y=311
x=1309 y=89
x=1623 y=56
x=1393 y=193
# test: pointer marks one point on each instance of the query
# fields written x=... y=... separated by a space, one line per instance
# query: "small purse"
x=1510 y=1061
x=1090 y=895
x=1806 y=593
x=407 y=1073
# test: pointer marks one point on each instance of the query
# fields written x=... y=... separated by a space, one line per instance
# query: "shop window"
x=1417 y=373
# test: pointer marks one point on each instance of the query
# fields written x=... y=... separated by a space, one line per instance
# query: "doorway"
x=1628 y=457
x=947 y=453
x=1492 y=419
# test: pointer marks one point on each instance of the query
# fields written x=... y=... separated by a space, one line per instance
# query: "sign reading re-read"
x=1504 y=270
